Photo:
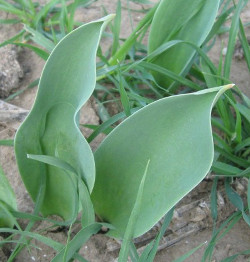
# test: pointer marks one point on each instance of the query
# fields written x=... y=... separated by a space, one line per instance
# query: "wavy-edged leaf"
x=175 y=134
x=195 y=20
x=67 y=81
x=8 y=201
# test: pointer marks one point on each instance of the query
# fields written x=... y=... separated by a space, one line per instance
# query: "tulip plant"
x=146 y=164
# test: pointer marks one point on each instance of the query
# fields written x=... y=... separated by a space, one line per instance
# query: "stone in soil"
x=10 y=70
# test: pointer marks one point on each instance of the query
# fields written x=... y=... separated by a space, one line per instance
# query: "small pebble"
x=220 y=199
x=104 y=229
x=203 y=204
x=224 y=51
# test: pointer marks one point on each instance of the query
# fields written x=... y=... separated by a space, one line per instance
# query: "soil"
x=26 y=67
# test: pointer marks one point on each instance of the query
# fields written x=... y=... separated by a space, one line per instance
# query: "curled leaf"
x=188 y=20
x=67 y=82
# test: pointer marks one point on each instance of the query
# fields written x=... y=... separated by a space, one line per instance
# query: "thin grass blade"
x=40 y=39
x=47 y=241
x=234 y=29
x=236 y=200
x=75 y=244
x=130 y=228
x=166 y=222
x=245 y=45
x=7 y=142
x=116 y=28
x=188 y=254
x=234 y=257
x=8 y=201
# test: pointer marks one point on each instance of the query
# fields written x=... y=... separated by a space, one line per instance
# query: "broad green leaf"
x=67 y=81
x=175 y=134
x=81 y=192
x=8 y=201
x=188 y=20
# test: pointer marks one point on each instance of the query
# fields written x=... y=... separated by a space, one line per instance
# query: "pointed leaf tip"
x=175 y=134
x=67 y=82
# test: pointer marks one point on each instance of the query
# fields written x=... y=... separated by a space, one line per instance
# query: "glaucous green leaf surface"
x=7 y=199
x=188 y=20
x=175 y=134
x=67 y=81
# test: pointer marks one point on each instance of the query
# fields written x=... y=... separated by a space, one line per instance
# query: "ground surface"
x=27 y=67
